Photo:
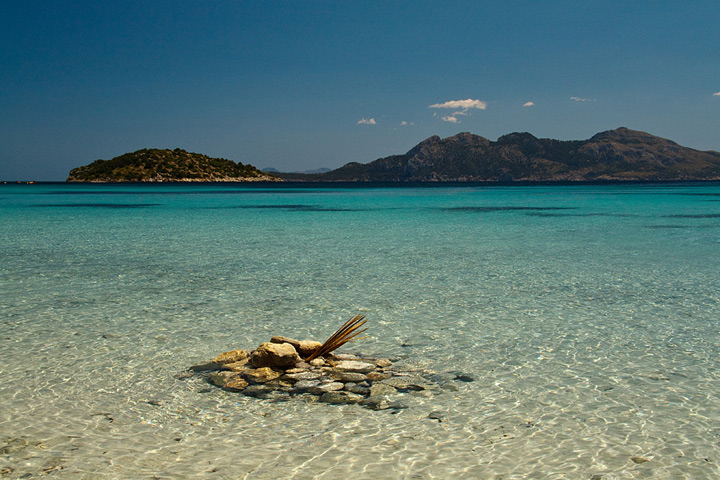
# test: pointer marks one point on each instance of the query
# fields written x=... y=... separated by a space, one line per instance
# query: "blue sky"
x=298 y=85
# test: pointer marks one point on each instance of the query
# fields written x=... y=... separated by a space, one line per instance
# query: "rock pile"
x=277 y=369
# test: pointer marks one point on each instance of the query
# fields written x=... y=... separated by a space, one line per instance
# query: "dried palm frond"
x=343 y=335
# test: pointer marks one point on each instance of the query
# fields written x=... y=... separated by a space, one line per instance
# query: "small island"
x=164 y=165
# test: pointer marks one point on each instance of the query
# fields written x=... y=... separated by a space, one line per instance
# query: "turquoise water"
x=588 y=316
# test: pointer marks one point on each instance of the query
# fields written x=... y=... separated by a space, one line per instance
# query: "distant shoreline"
x=382 y=184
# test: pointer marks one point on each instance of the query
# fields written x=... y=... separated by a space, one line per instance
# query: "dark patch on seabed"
x=99 y=205
x=700 y=215
x=502 y=209
x=680 y=227
x=549 y=214
x=292 y=207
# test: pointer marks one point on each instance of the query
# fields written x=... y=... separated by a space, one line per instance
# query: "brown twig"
x=343 y=335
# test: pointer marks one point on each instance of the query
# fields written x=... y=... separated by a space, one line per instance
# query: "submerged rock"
x=274 y=355
x=230 y=357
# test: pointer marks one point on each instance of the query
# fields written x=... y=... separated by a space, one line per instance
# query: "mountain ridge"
x=621 y=154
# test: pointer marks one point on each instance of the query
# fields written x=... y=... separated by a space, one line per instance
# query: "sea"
x=584 y=317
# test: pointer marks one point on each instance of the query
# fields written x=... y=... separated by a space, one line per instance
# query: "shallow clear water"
x=588 y=316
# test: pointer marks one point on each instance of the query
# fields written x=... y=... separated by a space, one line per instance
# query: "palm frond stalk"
x=344 y=334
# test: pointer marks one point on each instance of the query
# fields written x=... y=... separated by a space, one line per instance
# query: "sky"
x=299 y=85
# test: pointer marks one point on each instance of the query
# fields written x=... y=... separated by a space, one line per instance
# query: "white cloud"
x=404 y=123
x=580 y=99
x=529 y=104
x=462 y=104
x=450 y=119
x=367 y=121
x=716 y=94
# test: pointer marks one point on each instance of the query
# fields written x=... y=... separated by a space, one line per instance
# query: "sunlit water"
x=588 y=316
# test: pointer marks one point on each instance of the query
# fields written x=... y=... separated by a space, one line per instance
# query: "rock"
x=304 y=385
x=409 y=382
x=355 y=366
x=639 y=459
x=260 y=391
x=274 y=355
x=243 y=364
x=382 y=362
x=437 y=415
x=377 y=376
x=382 y=389
x=304 y=375
x=449 y=386
x=307 y=347
x=344 y=356
x=303 y=365
x=355 y=388
x=377 y=402
x=262 y=374
x=399 y=404
x=281 y=339
x=340 y=397
x=296 y=370
x=317 y=362
x=235 y=384
x=221 y=378
x=231 y=357
x=205 y=367
x=327 y=387
x=348 y=376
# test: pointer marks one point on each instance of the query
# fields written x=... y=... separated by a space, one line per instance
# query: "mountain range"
x=614 y=155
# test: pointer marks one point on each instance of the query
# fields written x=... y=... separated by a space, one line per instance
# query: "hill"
x=615 y=155
x=156 y=165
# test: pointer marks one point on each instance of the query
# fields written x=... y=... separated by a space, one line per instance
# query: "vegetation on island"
x=164 y=165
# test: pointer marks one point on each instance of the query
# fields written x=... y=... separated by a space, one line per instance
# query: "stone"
x=281 y=339
x=303 y=385
x=205 y=367
x=303 y=365
x=304 y=375
x=355 y=366
x=340 y=397
x=243 y=364
x=221 y=378
x=327 y=387
x=307 y=347
x=317 y=362
x=260 y=391
x=296 y=370
x=409 y=382
x=262 y=374
x=355 y=388
x=382 y=389
x=348 y=376
x=274 y=355
x=639 y=460
x=377 y=376
x=230 y=357
x=376 y=402
x=235 y=384
x=382 y=362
